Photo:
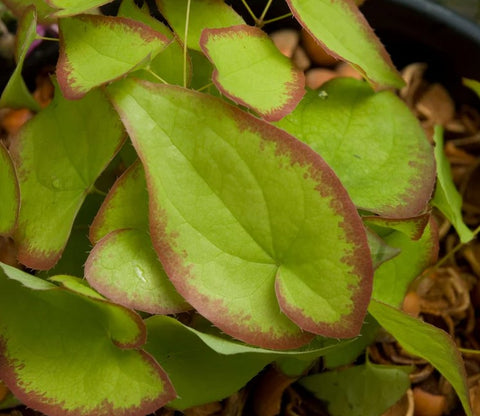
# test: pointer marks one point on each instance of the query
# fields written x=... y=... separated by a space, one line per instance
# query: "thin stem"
x=187 y=22
x=265 y=10
x=153 y=74
x=95 y=190
x=250 y=11
x=468 y=351
x=47 y=38
x=276 y=19
x=205 y=86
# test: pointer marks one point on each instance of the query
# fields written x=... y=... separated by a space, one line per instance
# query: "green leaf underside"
x=390 y=149
x=427 y=342
x=9 y=193
x=362 y=390
x=58 y=155
x=380 y=250
x=60 y=351
x=251 y=71
x=97 y=49
x=236 y=209
x=167 y=63
x=206 y=367
x=72 y=7
x=203 y=14
x=342 y=29
x=446 y=197
x=19 y=7
x=15 y=93
x=392 y=278
x=124 y=266
x=412 y=227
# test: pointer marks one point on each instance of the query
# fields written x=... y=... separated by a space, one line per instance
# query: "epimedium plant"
x=289 y=223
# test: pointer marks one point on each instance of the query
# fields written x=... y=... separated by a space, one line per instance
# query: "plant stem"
x=47 y=38
x=205 y=86
x=265 y=10
x=276 y=19
x=187 y=22
x=153 y=74
x=95 y=190
x=250 y=11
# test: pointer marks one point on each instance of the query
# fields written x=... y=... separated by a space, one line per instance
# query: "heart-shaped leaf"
x=19 y=7
x=392 y=278
x=58 y=156
x=390 y=148
x=446 y=198
x=72 y=7
x=9 y=193
x=123 y=266
x=60 y=351
x=251 y=71
x=203 y=14
x=90 y=54
x=427 y=342
x=342 y=29
x=16 y=94
x=247 y=221
x=362 y=390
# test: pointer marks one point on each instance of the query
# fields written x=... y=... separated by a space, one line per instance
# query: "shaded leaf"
x=446 y=197
x=342 y=29
x=412 y=227
x=89 y=50
x=9 y=193
x=72 y=7
x=58 y=155
x=203 y=14
x=240 y=213
x=362 y=390
x=427 y=342
x=15 y=93
x=251 y=71
x=392 y=278
x=473 y=85
x=19 y=7
x=123 y=265
x=379 y=249
x=369 y=139
x=60 y=351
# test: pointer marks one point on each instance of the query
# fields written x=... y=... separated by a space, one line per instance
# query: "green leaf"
x=167 y=63
x=203 y=14
x=446 y=198
x=123 y=266
x=412 y=227
x=63 y=353
x=251 y=71
x=207 y=367
x=58 y=155
x=370 y=140
x=9 y=193
x=90 y=54
x=427 y=342
x=19 y=7
x=379 y=249
x=247 y=221
x=362 y=390
x=473 y=85
x=72 y=7
x=16 y=94
x=392 y=278
x=342 y=29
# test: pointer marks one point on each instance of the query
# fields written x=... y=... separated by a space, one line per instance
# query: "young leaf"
x=167 y=63
x=123 y=266
x=58 y=155
x=427 y=342
x=380 y=250
x=341 y=28
x=60 y=351
x=251 y=71
x=473 y=85
x=446 y=197
x=362 y=390
x=72 y=7
x=392 y=278
x=9 y=193
x=412 y=227
x=247 y=221
x=19 y=7
x=90 y=54
x=16 y=94
x=391 y=148
x=203 y=14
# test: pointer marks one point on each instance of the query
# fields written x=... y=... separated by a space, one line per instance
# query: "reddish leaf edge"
x=6 y=155
x=295 y=87
x=370 y=34
x=64 y=67
x=421 y=221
